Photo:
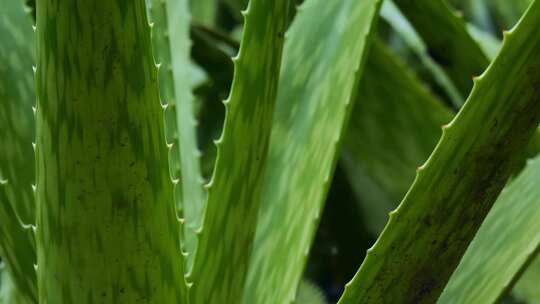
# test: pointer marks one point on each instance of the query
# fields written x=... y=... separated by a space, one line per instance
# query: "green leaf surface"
x=323 y=60
x=172 y=47
x=230 y=217
x=396 y=124
x=456 y=187
x=107 y=229
x=506 y=242
x=448 y=41
x=16 y=155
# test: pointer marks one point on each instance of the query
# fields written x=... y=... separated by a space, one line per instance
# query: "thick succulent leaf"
x=506 y=242
x=526 y=289
x=396 y=124
x=326 y=46
x=456 y=187
x=172 y=47
x=16 y=155
x=103 y=184
x=391 y=14
x=230 y=215
x=448 y=41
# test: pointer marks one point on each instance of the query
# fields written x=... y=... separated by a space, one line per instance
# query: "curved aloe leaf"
x=221 y=258
x=448 y=40
x=172 y=47
x=16 y=154
x=323 y=59
x=103 y=184
x=504 y=245
x=396 y=125
x=457 y=186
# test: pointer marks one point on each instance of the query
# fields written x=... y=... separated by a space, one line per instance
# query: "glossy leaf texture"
x=16 y=155
x=172 y=46
x=456 y=187
x=230 y=215
x=323 y=60
x=395 y=125
x=504 y=246
x=103 y=184
x=448 y=41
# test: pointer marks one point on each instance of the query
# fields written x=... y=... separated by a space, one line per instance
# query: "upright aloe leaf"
x=104 y=194
x=448 y=40
x=16 y=101
x=16 y=154
x=454 y=190
x=323 y=59
x=395 y=126
x=230 y=217
x=172 y=47
x=505 y=244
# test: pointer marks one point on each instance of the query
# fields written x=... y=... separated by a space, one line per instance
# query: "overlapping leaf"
x=396 y=124
x=457 y=186
x=172 y=48
x=506 y=242
x=228 y=229
x=323 y=60
x=16 y=154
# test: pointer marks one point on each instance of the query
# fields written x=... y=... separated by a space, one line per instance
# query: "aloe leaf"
x=16 y=154
x=504 y=245
x=456 y=187
x=172 y=48
x=449 y=43
x=16 y=101
x=103 y=184
x=323 y=59
x=396 y=125
x=221 y=258
x=526 y=289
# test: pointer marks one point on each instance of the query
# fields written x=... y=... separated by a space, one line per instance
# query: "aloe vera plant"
x=107 y=106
